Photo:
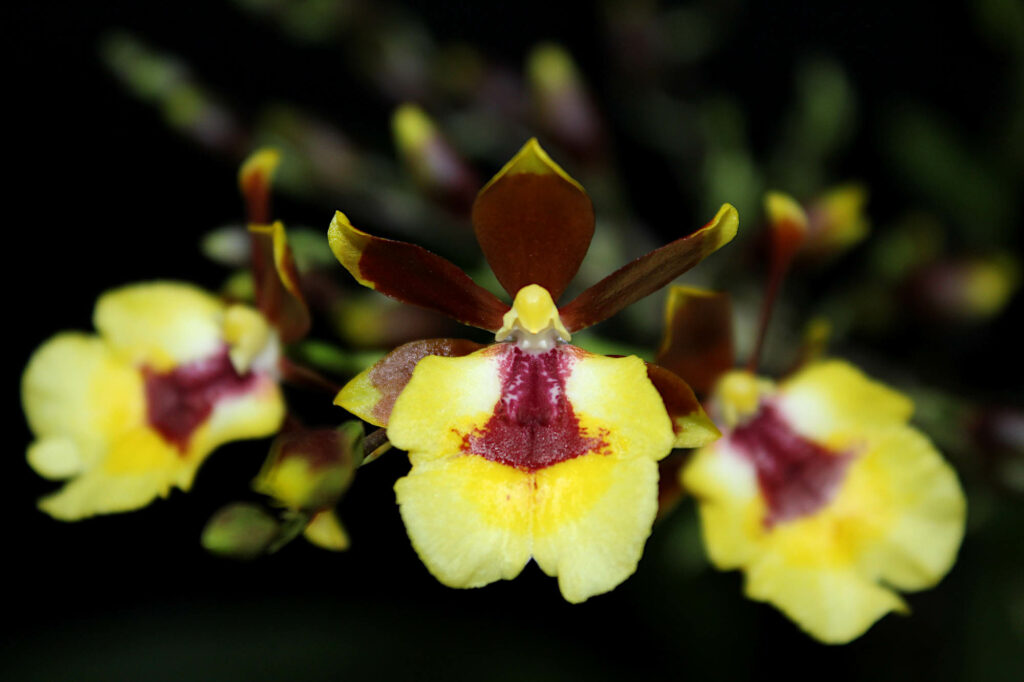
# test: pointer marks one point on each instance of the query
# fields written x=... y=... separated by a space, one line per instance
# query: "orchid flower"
x=173 y=373
x=529 y=447
x=135 y=410
x=818 y=490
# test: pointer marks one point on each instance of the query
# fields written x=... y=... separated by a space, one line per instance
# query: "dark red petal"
x=787 y=223
x=412 y=274
x=649 y=273
x=276 y=282
x=692 y=427
x=696 y=343
x=534 y=223
x=254 y=180
x=275 y=277
x=371 y=395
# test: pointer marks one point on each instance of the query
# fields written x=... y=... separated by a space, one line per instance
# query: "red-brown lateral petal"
x=696 y=343
x=371 y=394
x=412 y=274
x=691 y=426
x=787 y=223
x=649 y=273
x=254 y=179
x=276 y=280
x=534 y=223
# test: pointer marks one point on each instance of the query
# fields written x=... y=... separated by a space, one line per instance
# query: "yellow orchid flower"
x=529 y=447
x=129 y=413
x=825 y=497
x=818 y=490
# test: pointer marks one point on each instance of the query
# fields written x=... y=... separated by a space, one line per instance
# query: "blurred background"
x=900 y=126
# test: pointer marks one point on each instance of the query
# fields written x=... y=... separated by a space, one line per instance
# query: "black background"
x=104 y=193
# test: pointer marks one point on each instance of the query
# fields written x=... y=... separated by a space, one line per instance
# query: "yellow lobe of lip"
x=533 y=311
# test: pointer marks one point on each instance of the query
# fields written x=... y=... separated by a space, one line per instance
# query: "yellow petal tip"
x=532 y=158
x=261 y=165
x=347 y=243
x=727 y=222
x=411 y=127
x=784 y=212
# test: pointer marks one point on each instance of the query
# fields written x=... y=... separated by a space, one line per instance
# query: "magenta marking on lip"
x=533 y=425
x=796 y=475
x=179 y=401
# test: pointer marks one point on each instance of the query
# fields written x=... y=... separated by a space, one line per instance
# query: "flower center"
x=179 y=401
x=533 y=323
x=796 y=475
x=737 y=397
x=533 y=425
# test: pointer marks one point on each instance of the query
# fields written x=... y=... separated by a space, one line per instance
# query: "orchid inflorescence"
x=526 y=448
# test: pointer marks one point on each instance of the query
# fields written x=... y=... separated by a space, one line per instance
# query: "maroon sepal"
x=412 y=274
x=534 y=228
x=275 y=278
x=254 y=183
x=647 y=274
x=697 y=343
x=678 y=397
x=787 y=230
x=284 y=306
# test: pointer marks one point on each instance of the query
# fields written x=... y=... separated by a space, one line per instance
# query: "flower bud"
x=240 y=531
x=310 y=469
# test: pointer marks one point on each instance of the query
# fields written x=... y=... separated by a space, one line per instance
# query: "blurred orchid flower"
x=819 y=489
x=135 y=410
